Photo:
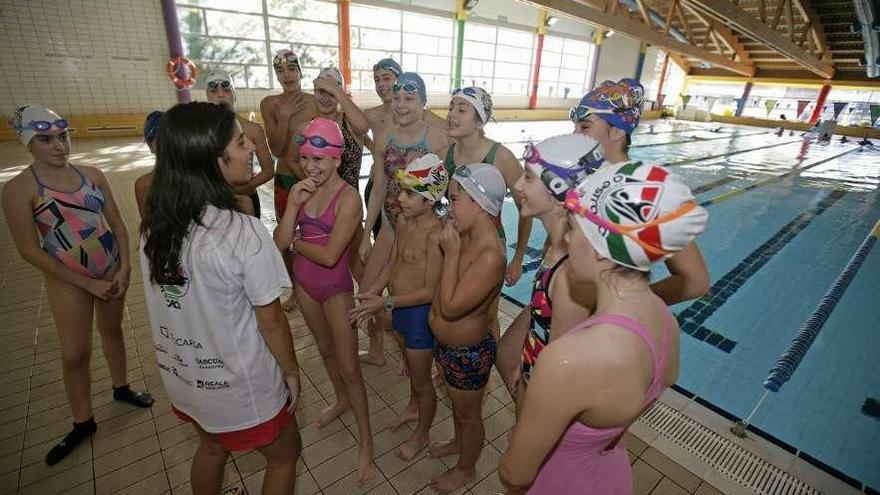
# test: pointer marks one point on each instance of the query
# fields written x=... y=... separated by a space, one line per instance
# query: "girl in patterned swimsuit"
x=56 y=213
x=552 y=168
x=408 y=139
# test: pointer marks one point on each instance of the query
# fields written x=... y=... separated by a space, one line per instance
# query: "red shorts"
x=250 y=438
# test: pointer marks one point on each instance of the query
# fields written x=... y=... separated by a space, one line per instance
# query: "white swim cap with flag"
x=284 y=57
x=484 y=184
x=426 y=176
x=477 y=98
x=333 y=74
x=635 y=214
x=29 y=119
x=563 y=162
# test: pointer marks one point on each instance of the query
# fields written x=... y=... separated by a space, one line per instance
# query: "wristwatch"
x=389 y=302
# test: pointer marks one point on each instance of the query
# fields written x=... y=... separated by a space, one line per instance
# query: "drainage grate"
x=724 y=455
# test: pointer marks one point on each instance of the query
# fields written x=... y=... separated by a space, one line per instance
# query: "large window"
x=786 y=100
x=241 y=36
x=858 y=109
x=420 y=43
x=497 y=59
x=565 y=65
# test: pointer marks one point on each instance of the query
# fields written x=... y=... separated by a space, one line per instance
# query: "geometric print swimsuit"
x=72 y=230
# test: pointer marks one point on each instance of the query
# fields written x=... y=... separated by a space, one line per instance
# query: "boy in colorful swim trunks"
x=471 y=277
x=414 y=274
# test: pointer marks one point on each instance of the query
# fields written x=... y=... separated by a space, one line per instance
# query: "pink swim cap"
x=322 y=137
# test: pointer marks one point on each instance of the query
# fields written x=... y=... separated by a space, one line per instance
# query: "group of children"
x=213 y=277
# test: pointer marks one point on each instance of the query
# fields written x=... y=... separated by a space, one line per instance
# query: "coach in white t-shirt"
x=212 y=278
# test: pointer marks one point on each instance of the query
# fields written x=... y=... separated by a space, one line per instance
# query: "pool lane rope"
x=736 y=192
x=788 y=362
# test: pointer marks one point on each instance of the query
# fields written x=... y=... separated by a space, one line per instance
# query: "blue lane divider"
x=691 y=319
x=792 y=357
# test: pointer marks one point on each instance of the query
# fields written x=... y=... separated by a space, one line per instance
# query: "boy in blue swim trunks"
x=413 y=274
x=470 y=280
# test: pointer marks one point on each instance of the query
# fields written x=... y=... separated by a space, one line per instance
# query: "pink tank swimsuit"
x=320 y=282
x=582 y=461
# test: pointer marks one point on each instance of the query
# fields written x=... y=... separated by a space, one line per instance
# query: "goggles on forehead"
x=220 y=84
x=573 y=204
x=316 y=141
x=386 y=66
x=408 y=87
x=468 y=91
x=580 y=112
x=466 y=173
x=559 y=180
x=43 y=125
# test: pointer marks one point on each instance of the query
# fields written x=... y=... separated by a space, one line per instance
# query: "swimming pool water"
x=772 y=253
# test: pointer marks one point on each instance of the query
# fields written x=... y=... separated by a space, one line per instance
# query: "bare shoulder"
x=506 y=160
x=252 y=128
x=20 y=186
x=93 y=173
x=269 y=102
x=143 y=181
x=437 y=139
x=432 y=237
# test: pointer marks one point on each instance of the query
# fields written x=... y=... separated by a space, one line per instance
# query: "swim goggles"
x=43 y=125
x=387 y=65
x=408 y=87
x=469 y=91
x=316 y=141
x=220 y=84
x=466 y=173
x=558 y=179
x=580 y=112
x=573 y=204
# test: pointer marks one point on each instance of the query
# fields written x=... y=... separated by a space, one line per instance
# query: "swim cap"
x=425 y=175
x=390 y=65
x=478 y=98
x=220 y=76
x=635 y=214
x=563 y=162
x=618 y=103
x=151 y=125
x=484 y=184
x=286 y=57
x=332 y=73
x=412 y=83
x=322 y=137
x=29 y=119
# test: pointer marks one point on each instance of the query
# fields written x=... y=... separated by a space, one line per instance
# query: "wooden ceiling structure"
x=789 y=39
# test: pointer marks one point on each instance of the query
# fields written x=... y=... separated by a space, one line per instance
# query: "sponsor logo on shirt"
x=173 y=371
x=180 y=342
x=209 y=363
x=212 y=384
x=179 y=360
x=174 y=293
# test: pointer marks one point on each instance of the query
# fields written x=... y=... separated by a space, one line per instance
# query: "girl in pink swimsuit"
x=591 y=383
x=323 y=213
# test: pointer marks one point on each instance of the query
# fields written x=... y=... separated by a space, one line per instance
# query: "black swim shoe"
x=80 y=432
x=126 y=394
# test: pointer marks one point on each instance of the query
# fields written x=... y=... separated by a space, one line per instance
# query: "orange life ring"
x=173 y=67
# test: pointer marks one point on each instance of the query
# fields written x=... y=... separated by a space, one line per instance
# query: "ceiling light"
x=470 y=4
x=552 y=20
x=609 y=34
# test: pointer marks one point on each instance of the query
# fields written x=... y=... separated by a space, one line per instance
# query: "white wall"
x=618 y=58
x=84 y=57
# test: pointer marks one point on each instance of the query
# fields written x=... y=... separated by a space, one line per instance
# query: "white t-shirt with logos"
x=213 y=360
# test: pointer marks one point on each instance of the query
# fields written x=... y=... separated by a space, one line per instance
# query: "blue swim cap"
x=388 y=64
x=412 y=83
x=151 y=125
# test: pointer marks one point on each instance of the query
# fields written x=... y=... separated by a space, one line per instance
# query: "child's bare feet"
x=452 y=480
x=440 y=449
x=366 y=468
x=411 y=413
x=412 y=447
x=369 y=357
x=328 y=415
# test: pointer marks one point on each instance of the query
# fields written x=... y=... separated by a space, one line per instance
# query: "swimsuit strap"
x=335 y=198
x=490 y=156
x=449 y=161
x=40 y=185
x=550 y=273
